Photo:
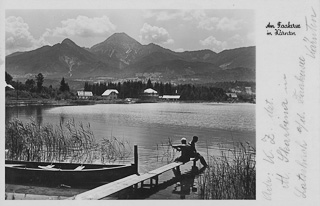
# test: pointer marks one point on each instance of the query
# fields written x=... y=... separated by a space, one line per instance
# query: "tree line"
x=34 y=88
x=133 y=89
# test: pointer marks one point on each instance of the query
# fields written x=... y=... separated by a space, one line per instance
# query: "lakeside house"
x=84 y=94
x=149 y=95
x=170 y=97
x=110 y=94
x=150 y=92
x=248 y=90
x=232 y=95
x=235 y=90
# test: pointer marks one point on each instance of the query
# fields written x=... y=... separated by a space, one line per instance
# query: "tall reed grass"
x=64 y=142
x=231 y=175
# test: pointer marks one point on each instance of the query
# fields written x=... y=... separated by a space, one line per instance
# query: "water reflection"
x=62 y=118
x=178 y=186
x=39 y=118
x=186 y=185
x=26 y=113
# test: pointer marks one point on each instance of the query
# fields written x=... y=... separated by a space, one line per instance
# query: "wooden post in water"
x=136 y=158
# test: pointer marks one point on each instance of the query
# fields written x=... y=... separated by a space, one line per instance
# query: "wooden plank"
x=103 y=191
x=116 y=186
x=166 y=168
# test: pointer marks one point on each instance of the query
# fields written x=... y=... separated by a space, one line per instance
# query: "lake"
x=150 y=125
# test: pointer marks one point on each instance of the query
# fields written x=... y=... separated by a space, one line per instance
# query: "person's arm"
x=177 y=147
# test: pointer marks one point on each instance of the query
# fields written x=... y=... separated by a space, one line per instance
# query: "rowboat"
x=71 y=174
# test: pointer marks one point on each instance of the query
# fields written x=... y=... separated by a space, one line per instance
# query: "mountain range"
x=121 y=57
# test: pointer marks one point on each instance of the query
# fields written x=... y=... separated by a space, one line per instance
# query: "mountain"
x=122 y=57
x=119 y=50
x=202 y=55
x=63 y=59
x=122 y=50
x=239 y=57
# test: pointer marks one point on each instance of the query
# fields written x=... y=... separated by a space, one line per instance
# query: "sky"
x=177 y=30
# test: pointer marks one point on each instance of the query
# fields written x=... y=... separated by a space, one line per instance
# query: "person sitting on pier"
x=195 y=154
x=185 y=150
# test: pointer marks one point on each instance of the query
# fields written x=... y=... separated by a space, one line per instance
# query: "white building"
x=149 y=95
x=150 y=91
x=248 y=90
x=170 y=97
x=232 y=95
x=84 y=94
x=110 y=94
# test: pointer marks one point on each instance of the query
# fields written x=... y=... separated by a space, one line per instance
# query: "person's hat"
x=183 y=139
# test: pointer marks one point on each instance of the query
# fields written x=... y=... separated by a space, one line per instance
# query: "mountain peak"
x=68 y=42
x=121 y=34
x=122 y=37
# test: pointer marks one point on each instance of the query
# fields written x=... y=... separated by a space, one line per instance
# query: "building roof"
x=109 y=91
x=150 y=91
x=84 y=93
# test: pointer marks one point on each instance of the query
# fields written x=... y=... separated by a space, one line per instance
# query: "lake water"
x=150 y=125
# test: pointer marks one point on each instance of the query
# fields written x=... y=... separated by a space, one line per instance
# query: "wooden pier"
x=130 y=181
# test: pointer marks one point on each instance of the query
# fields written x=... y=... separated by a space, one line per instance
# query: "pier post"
x=136 y=158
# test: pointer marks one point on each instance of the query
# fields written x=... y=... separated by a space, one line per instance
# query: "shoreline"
x=51 y=102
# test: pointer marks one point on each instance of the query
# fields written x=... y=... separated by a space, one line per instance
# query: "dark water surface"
x=150 y=125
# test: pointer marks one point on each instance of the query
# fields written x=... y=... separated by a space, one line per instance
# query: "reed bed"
x=231 y=175
x=65 y=142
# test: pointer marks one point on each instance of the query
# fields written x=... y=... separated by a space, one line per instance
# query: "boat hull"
x=21 y=172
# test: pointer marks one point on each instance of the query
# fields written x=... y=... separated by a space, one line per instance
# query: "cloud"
x=226 y=24
x=214 y=44
x=223 y=24
x=84 y=26
x=165 y=15
x=208 y=23
x=18 y=37
x=200 y=17
x=154 y=34
x=237 y=39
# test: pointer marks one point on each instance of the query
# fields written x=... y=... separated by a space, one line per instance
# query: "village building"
x=84 y=94
x=149 y=95
x=235 y=90
x=170 y=97
x=232 y=95
x=150 y=92
x=248 y=90
x=110 y=94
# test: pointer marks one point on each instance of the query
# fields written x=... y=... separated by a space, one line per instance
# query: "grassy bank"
x=232 y=175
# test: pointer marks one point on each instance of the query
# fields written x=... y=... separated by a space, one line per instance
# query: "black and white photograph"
x=157 y=102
